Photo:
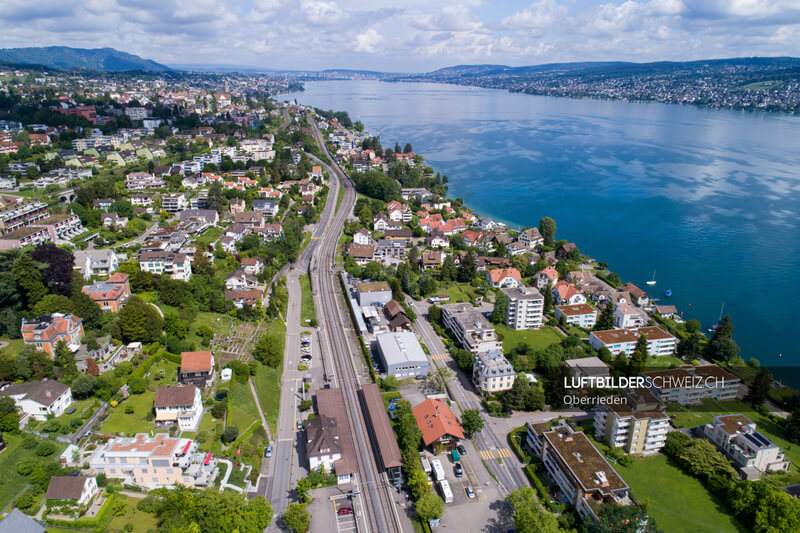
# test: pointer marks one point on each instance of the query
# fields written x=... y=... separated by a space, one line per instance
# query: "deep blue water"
x=708 y=198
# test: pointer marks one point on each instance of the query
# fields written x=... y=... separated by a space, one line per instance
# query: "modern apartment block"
x=637 y=425
x=174 y=264
x=470 y=328
x=524 y=308
x=659 y=342
x=581 y=315
x=581 y=472
x=737 y=436
x=20 y=215
x=174 y=203
x=492 y=372
x=692 y=384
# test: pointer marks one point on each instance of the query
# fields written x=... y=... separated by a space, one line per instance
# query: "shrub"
x=44 y=448
x=219 y=410
x=230 y=434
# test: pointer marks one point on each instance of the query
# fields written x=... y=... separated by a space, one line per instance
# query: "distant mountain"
x=212 y=67
x=64 y=57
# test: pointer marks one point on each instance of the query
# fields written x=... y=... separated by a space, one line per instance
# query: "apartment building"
x=470 y=328
x=627 y=316
x=20 y=215
x=692 y=384
x=152 y=462
x=524 y=308
x=659 y=342
x=20 y=237
x=45 y=332
x=753 y=453
x=173 y=264
x=96 y=262
x=181 y=405
x=492 y=372
x=112 y=294
x=580 y=315
x=582 y=474
x=174 y=203
x=638 y=424
x=142 y=180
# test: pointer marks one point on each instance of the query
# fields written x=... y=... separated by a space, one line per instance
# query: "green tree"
x=418 y=483
x=548 y=299
x=230 y=434
x=137 y=385
x=449 y=271
x=606 y=319
x=429 y=507
x=296 y=518
x=9 y=416
x=529 y=515
x=29 y=279
x=219 y=410
x=692 y=325
x=140 y=321
x=471 y=420
x=622 y=519
x=83 y=385
x=722 y=347
x=216 y=198
x=689 y=348
x=792 y=428
x=65 y=361
x=547 y=227
x=638 y=358
x=468 y=269
x=759 y=388
x=54 y=303
x=389 y=383
x=498 y=315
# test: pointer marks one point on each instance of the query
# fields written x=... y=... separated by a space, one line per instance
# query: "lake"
x=707 y=198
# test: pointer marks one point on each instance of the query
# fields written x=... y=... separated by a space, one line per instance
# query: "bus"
x=444 y=488
x=438 y=471
x=426 y=465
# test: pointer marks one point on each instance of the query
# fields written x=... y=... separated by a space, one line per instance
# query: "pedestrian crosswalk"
x=440 y=356
x=495 y=453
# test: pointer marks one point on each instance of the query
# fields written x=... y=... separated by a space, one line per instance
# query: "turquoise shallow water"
x=708 y=198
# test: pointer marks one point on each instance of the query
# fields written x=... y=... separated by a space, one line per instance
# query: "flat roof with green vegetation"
x=678 y=501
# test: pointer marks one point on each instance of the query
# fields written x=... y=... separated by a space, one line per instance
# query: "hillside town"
x=212 y=296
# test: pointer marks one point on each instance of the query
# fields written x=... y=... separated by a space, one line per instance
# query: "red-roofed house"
x=46 y=331
x=440 y=427
x=112 y=294
x=504 y=277
x=472 y=238
x=565 y=293
x=196 y=367
x=545 y=276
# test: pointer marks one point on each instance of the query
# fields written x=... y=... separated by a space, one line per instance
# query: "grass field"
x=461 y=293
x=307 y=311
x=120 y=423
x=678 y=502
x=209 y=236
x=664 y=361
x=267 y=382
x=540 y=338
x=141 y=521
x=14 y=346
x=219 y=324
x=242 y=409
x=13 y=484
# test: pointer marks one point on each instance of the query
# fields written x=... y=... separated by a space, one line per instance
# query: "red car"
x=344 y=511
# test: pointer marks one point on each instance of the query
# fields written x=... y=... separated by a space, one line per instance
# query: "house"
x=113 y=221
x=440 y=427
x=153 y=462
x=237 y=205
x=470 y=328
x=141 y=200
x=637 y=425
x=564 y=250
x=396 y=314
x=240 y=298
x=207 y=216
x=323 y=445
x=431 y=260
x=361 y=253
x=667 y=311
x=362 y=237
x=587 y=367
x=253 y=265
x=565 y=293
x=269 y=232
x=110 y=295
x=39 y=399
x=437 y=240
x=45 y=332
x=330 y=404
x=174 y=203
x=504 y=277
x=401 y=354
x=18 y=522
x=583 y=476
x=398 y=212
x=386 y=248
x=580 y=315
x=531 y=238
x=492 y=372
x=545 y=277
x=516 y=248
x=96 y=262
x=691 y=384
x=80 y=489
x=250 y=218
x=524 y=308
x=581 y=278
x=196 y=367
x=382 y=223
x=237 y=232
x=659 y=342
x=626 y=316
x=228 y=244
x=174 y=264
x=102 y=203
x=398 y=234
x=753 y=453
x=239 y=280
x=183 y=404
x=471 y=238
x=640 y=297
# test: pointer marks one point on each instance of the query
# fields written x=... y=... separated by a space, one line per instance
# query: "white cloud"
x=368 y=42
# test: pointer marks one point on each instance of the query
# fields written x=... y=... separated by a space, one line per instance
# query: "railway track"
x=378 y=504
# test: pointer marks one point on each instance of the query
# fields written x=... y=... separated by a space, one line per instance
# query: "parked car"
x=299 y=424
x=344 y=511
x=459 y=470
x=268 y=452
x=470 y=492
x=461 y=449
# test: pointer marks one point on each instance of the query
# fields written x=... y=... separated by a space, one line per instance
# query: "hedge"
x=98 y=523
x=144 y=367
x=171 y=357
x=541 y=490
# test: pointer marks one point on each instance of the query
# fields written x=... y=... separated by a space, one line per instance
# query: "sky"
x=407 y=35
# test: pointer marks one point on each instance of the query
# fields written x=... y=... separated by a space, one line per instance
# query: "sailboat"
x=652 y=281
x=713 y=328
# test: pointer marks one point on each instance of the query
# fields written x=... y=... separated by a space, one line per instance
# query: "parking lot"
x=459 y=484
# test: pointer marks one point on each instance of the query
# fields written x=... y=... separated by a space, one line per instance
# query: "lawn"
x=141 y=521
x=120 y=423
x=539 y=338
x=242 y=409
x=14 y=346
x=219 y=324
x=307 y=311
x=664 y=361
x=462 y=293
x=678 y=502
x=267 y=382
x=13 y=484
x=209 y=236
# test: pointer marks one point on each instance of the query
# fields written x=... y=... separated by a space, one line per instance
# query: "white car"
x=470 y=492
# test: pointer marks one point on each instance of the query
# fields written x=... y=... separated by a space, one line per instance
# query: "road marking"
x=487 y=454
x=440 y=356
